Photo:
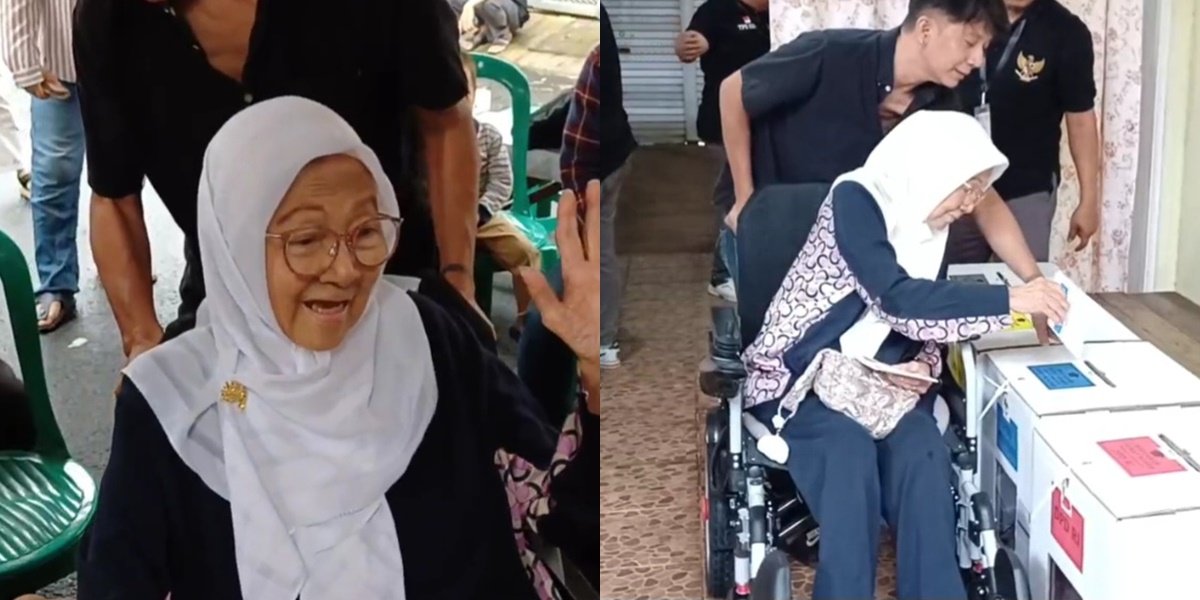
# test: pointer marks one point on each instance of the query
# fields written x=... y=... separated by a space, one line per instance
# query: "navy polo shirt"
x=1048 y=73
x=814 y=103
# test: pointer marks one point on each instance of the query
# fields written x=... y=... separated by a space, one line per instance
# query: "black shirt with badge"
x=1048 y=73
x=736 y=34
x=814 y=103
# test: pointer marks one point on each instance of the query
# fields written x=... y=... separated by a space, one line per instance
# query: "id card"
x=983 y=114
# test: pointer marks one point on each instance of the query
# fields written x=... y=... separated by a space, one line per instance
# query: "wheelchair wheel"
x=719 y=537
x=1012 y=581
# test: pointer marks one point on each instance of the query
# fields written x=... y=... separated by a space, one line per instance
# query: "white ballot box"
x=1101 y=325
x=1116 y=511
x=1027 y=385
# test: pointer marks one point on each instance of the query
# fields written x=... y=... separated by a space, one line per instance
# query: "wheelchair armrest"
x=722 y=373
x=717 y=381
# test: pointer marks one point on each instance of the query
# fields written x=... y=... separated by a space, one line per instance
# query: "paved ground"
x=83 y=359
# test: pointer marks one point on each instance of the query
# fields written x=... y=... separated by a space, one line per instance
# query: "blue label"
x=1006 y=438
x=1061 y=376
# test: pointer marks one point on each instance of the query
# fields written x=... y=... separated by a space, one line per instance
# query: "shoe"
x=610 y=356
x=23 y=179
x=500 y=44
x=724 y=291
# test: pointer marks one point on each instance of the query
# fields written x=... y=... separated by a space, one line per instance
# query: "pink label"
x=1066 y=525
x=1140 y=457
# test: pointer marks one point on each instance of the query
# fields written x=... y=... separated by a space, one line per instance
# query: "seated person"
x=870 y=283
x=498 y=232
x=492 y=22
x=323 y=434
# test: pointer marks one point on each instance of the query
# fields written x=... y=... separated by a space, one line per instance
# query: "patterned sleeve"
x=920 y=309
x=581 y=140
x=531 y=491
x=497 y=175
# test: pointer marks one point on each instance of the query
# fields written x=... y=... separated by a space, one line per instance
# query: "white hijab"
x=922 y=161
x=323 y=435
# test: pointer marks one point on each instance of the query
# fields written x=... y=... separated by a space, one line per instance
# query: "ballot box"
x=1101 y=325
x=1022 y=386
x=1116 y=506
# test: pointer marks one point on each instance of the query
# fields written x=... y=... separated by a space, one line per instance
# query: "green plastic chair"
x=46 y=498
x=539 y=228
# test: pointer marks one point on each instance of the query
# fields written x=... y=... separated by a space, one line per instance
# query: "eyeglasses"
x=312 y=250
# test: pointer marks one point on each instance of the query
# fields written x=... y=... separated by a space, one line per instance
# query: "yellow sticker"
x=1021 y=322
x=956 y=365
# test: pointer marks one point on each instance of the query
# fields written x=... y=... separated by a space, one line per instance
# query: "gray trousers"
x=610 y=270
x=1035 y=215
x=500 y=19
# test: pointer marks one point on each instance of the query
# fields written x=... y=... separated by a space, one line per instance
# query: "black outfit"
x=814 y=104
x=151 y=102
x=17 y=430
x=616 y=136
x=736 y=34
x=1048 y=73
x=159 y=528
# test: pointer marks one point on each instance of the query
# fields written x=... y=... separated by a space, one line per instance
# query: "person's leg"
x=545 y=363
x=191 y=292
x=58 y=146
x=610 y=272
x=914 y=469
x=832 y=460
x=499 y=21
x=966 y=245
x=1035 y=214
x=12 y=150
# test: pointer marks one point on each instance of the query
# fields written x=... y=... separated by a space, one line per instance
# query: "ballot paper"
x=1073 y=331
x=880 y=367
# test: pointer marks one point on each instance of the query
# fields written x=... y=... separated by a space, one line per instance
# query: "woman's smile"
x=328 y=311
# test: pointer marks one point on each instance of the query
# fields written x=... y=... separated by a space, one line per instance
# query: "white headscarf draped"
x=922 y=161
x=324 y=434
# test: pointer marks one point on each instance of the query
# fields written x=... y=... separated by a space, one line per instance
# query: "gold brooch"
x=234 y=393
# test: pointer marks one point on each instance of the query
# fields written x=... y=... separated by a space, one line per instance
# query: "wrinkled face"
x=961 y=202
x=951 y=50
x=333 y=194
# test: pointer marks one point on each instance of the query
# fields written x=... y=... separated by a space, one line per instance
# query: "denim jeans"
x=58 y=145
x=545 y=363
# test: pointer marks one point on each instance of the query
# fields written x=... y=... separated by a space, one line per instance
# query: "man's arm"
x=119 y=238
x=1003 y=234
x=693 y=42
x=1077 y=93
x=1083 y=136
x=19 y=24
x=429 y=64
x=452 y=162
x=780 y=80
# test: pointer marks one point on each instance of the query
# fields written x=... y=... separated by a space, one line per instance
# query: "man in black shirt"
x=158 y=79
x=820 y=103
x=1042 y=72
x=724 y=35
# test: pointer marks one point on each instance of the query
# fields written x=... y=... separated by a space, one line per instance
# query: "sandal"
x=54 y=310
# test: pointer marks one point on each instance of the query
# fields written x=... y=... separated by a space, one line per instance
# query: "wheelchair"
x=755 y=522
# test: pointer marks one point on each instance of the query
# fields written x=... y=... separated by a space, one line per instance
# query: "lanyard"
x=1008 y=49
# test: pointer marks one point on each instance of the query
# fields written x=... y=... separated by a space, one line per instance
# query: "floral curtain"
x=1116 y=27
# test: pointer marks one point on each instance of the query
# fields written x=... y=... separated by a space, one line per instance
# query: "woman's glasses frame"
x=340 y=239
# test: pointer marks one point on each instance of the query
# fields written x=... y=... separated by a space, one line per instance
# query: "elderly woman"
x=869 y=284
x=325 y=434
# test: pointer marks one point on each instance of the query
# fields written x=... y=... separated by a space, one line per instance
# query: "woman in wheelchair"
x=861 y=442
x=320 y=422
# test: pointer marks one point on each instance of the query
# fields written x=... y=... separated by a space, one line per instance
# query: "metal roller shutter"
x=661 y=95
x=580 y=8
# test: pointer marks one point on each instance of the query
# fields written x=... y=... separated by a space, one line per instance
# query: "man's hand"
x=575 y=318
x=49 y=87
x=911 y=384
x=739 y=204
x=1085 y=222
x=690 y=45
